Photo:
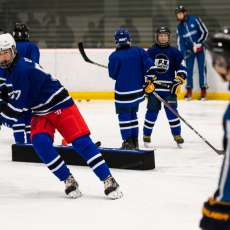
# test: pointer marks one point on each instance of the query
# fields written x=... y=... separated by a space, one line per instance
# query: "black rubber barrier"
x=116 y=158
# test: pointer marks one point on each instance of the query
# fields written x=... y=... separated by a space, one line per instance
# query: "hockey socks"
x=27 y=131
x=90 y=153
x=43 y=146
x=150 y=118
x=128 y=123
x=18 y=130
x=174 y=122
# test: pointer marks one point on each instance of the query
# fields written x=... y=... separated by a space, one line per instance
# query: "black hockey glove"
x=216 y=215
x=2 y=102
x=4 y=94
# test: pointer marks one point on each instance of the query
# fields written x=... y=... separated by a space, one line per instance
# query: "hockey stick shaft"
x=85 y=57
x=219 y=152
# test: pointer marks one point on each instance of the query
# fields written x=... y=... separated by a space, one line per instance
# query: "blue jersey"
x=168 y=62
x=190 y=31
x=29 y=50
x=128 y=67
x=31 y=88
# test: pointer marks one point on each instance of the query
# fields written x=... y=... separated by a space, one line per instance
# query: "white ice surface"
x=168 y=197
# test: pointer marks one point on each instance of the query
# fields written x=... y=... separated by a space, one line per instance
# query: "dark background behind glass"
x=63 y=23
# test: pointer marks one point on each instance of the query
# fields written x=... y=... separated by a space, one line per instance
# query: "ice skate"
x=112 y=189
x=128 y=144
x=147 y=142
x=179 y=140
x=135 y=142
x=71 y=188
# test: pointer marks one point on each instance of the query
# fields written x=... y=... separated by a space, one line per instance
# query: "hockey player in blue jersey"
x=52 y=108
x=170 y=74
x=30 y=50
x=216 y=210
x=127 y=66
x=191 y=35
x=25 y=47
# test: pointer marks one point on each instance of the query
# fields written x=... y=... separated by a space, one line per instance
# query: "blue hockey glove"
x=216 y=215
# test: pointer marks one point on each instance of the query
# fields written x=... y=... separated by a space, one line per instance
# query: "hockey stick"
x=219 y=152
x=83 y=54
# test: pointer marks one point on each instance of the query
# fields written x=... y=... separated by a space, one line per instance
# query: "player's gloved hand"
x=197 y=47
x=216 y=215
x=149 y=86
x=176 y=85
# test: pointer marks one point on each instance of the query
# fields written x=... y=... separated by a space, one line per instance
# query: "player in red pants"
x=52 y=108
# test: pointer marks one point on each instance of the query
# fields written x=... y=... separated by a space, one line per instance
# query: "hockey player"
x=25 y=47
x=216 y=210
x=127 y=66
x=28 y=49
x=191 y=35
x=52 y=108
x=170 y=74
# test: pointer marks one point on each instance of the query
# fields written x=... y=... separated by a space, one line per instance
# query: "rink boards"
x=116 y=158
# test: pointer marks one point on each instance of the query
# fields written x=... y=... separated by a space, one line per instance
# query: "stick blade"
x=85 y=57
x=82 y=51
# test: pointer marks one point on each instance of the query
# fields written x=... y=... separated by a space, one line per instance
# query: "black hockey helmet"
x=219 y=46
x=162 y=30
x=220 y=42
x=180 y=8
x=21 y=32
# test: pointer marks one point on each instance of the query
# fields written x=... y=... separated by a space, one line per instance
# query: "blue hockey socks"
x=19 y=135
x=174 y=122
x=128 y=123
x=150 y=118
x=90 y=153
x=43 y=146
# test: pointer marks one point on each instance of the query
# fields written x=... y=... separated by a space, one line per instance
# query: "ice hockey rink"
x=168 y=197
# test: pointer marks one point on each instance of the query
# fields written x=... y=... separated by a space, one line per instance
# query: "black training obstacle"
x=116 y=158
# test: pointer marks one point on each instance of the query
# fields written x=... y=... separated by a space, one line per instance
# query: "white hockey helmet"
x=7 y=42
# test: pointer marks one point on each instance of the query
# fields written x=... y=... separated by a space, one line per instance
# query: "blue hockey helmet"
x=122 y=38
x=219 y=46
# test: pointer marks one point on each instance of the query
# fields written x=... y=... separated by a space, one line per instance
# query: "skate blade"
x=148 y=146
x=180 y=146
x=74 y=194
x=117 y=194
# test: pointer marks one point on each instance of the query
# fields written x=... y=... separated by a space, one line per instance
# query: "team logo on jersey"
x=14 y=95
x=161 y=63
